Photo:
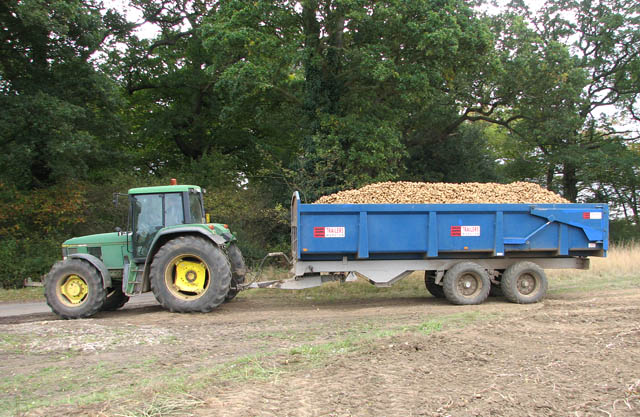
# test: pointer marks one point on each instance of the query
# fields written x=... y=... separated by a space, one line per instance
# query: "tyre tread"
x=220 y=268
x=97 y=292
x=450 y=284
x=509 y=286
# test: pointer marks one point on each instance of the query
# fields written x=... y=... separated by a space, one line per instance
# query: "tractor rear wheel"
x=115 y=298
x=190 y=274
x=73 y=289
x=238 y=270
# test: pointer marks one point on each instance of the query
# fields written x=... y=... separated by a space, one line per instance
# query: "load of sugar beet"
x=445 y=193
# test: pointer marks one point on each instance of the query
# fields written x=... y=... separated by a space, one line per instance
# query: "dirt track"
x=574 y=354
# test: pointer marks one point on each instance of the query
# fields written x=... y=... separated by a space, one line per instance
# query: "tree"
x=59 y=111
x=578 y=57
x=214 y=83
x=380 y=79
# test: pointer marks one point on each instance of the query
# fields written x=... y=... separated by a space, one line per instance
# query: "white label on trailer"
x=470 y=231
x=465 y=230
x=595 y=215
x=592 y=245
x=324 y=232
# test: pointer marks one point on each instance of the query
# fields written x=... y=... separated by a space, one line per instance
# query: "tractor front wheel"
x=73 y=289
x=190 y=274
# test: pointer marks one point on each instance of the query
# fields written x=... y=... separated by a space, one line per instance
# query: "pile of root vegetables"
x=445 y=193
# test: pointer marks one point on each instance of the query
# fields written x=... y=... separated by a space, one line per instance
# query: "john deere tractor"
x=190 y=264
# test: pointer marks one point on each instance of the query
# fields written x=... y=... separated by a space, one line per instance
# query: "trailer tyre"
x=190 y=274
x=73 y=289
x=238 y=270
x=430 y=282
x=466 y=283
x=115 y=298
x=524 y=283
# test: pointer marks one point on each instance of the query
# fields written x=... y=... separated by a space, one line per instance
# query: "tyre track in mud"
x=573 y=354
x=569 y=357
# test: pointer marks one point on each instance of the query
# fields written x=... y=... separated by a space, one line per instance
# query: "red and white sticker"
x=592 y=215
x=465 y=230
x=324 y=232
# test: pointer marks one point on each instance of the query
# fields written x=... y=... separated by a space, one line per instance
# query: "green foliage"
x=254 y=100
x=467 y=156
x=259 y=226
x=621 y=231
x=59 y=113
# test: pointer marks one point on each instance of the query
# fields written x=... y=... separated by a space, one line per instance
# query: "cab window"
x=195 y=207
x=147 y=220
x=174 y=210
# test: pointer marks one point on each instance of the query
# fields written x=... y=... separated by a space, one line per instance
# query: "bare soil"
x=574 y=354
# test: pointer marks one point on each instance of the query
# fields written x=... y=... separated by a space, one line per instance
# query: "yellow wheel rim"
x=73 y=290
x=187 y=277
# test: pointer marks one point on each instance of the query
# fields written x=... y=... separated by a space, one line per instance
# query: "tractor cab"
x=155 y=208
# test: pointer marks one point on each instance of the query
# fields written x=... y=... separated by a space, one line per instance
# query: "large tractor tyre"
x=466 y=283
x=430 y=282
x=190 y=274
x=115 y=298
x=524 y=283
x=238 y=270
x=73 y=289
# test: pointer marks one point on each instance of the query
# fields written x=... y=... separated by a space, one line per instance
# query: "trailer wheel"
x=115 y=298
x=238 y=270
x=430 y=282
x=73 y=289
x=466 y=283
x=524 y=283
x=190 y=274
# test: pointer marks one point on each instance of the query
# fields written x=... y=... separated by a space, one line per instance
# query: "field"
x=342 y=350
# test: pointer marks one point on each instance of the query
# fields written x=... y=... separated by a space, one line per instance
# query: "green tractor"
x=190 y=264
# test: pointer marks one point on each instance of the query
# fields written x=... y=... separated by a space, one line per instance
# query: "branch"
x=168 y=41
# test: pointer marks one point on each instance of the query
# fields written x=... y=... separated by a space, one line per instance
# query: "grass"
x=74 y=384
x=145 y=388
x=619 y=270
x=268 y=366
x=21 y=295
x=161 y=406
x=412 y=286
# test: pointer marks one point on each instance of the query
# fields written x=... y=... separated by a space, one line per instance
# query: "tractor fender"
x=218 y=240
x=98 y=264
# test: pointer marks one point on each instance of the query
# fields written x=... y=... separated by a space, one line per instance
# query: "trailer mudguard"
x=98 y=264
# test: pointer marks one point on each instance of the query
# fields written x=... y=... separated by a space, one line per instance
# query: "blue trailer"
x=464 y=249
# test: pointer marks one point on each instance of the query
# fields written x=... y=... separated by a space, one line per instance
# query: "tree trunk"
x=570 y=182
